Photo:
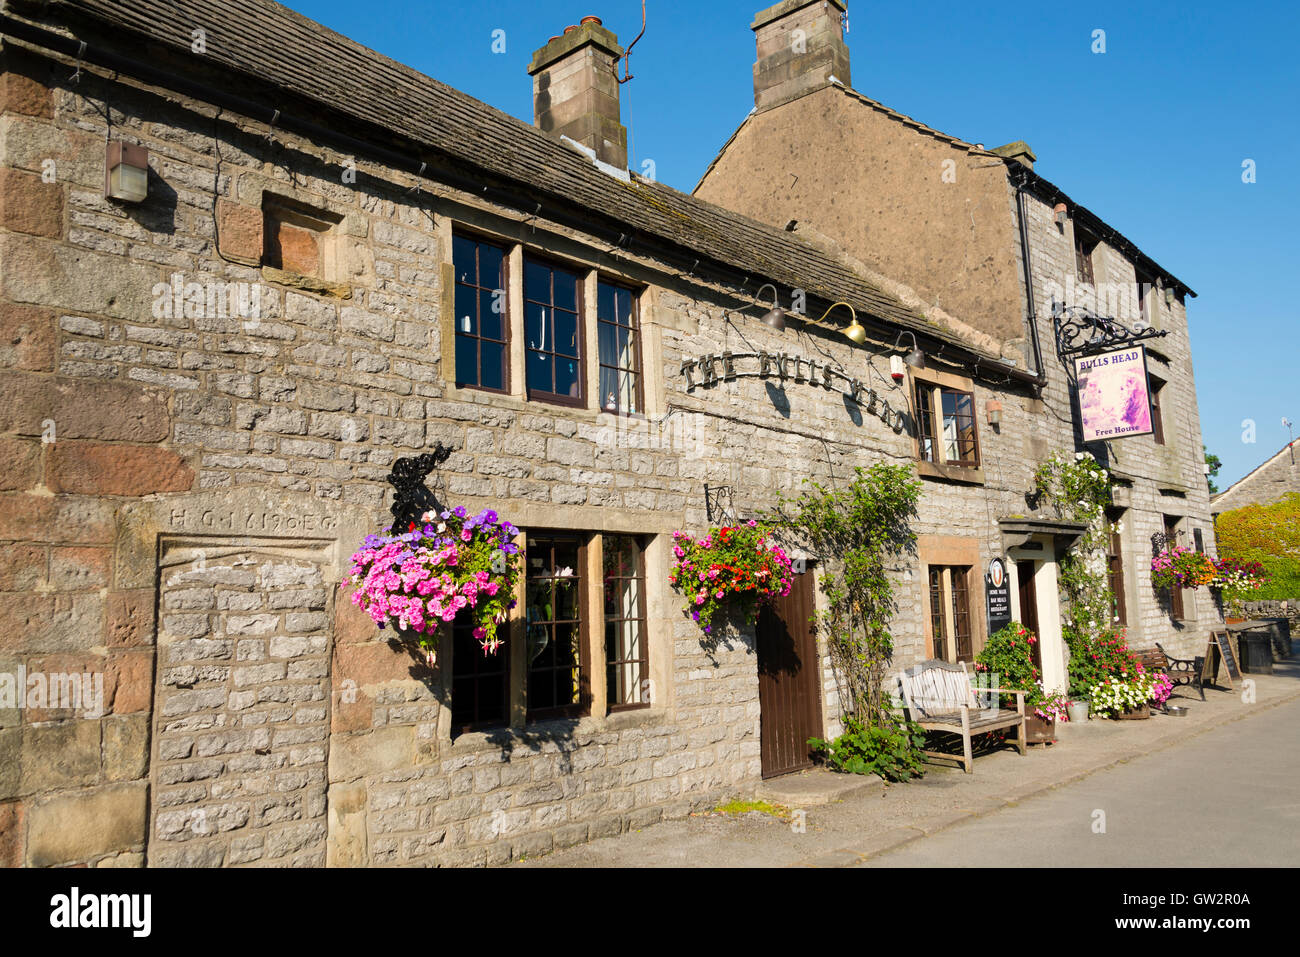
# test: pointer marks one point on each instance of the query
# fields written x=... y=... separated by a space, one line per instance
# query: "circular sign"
x=997 y=573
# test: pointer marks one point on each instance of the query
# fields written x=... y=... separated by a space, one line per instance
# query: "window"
x=553 y=332
x=1157 y=419
x=1115 y=566
x=1176 y=609
x=555 y=608
x=299 y=239
x=620 y=366
x=625 y=623
x=950 y=625
x=946 y=425
x=1084 y=246
x=481 y=319
x=480 y=683
x=1143 y=292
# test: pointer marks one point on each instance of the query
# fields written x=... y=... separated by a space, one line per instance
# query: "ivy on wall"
x=1270 y=535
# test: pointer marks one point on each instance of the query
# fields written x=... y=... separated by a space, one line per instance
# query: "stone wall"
x=1268 y=483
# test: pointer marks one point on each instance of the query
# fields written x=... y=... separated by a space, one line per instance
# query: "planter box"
x=1039 y=730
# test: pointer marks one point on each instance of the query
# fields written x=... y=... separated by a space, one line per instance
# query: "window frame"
x=640 y=542
x=1115 y=567
x=636 y=333
x=503 y=653
x=1177 y=608
x=580 y=274
x=504 y=286
x=582 y=707
x=1085 y=245
x=953 y=596
x=1156 y=386
x=930 y=421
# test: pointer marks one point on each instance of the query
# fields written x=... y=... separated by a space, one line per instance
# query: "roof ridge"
x=1262 y=465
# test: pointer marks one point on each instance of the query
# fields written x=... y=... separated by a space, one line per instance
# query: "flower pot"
x=1136 y=713
x=1078 y=711
x=1040 y=730
x=1233 y=621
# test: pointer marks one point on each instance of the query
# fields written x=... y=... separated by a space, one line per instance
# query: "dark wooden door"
x=1029 y=608
x=789 y=694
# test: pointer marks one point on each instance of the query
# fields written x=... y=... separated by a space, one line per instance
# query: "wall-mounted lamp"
x=1169 y=296
x=1061 y=213
x=915 y=358
x=854 y=330
x=897 y=369
x=993 y=409
x=775 y=317
x=126 y=172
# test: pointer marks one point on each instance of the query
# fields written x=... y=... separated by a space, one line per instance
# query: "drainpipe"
x=1021 y=208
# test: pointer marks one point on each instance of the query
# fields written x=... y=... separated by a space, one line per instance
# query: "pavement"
x=1226 y=772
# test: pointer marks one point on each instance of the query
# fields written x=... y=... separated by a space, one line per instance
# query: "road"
x=1234 y=790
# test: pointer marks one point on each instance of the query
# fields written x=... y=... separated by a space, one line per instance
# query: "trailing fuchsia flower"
x=423 y=578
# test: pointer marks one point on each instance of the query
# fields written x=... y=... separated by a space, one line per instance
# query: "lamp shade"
x=126 y=172
x=775 y=318
x=855 y=332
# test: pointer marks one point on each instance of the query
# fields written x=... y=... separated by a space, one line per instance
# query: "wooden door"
x=1029 y=607
x=789 y=688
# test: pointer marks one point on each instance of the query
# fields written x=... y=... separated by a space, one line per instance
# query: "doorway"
x=1029 y=607
x=789 y=693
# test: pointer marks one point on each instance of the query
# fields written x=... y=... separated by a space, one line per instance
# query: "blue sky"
x=1150 y=135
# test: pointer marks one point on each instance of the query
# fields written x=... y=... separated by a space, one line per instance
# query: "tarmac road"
x=1227 y=798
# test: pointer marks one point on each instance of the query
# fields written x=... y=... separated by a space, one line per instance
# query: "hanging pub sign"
x=709 y=370
x=1114 y=394
x=997 y=590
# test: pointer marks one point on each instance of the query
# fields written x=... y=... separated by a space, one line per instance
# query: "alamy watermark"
x=179 y=299
x=70 y=691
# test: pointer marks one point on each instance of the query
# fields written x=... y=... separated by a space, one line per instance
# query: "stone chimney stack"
x=1018 y=151
x=575 y=90
x=800 y=47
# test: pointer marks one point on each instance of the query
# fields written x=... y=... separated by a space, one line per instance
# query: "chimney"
x=575 y=90
x=1018 y=151
x=800 y=47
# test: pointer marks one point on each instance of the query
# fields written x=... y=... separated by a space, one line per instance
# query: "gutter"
x=1023 y=212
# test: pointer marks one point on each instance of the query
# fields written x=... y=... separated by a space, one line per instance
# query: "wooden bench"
x=1181 y=671
x=939 y=697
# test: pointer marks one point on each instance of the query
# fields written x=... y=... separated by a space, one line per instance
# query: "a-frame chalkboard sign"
x=1222 y=640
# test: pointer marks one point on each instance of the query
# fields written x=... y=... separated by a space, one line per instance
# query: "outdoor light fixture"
x=775 y=317
x=126 y=172
x=854 y=330
x=1062 y=213
x=993 y=409
x=1169 y=296
x=897 y=369
x=915 y=358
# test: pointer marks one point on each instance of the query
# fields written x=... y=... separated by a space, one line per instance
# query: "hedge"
x=1270 y=535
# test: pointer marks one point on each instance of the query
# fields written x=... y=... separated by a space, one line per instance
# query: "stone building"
x=1263 y=485
x=249 y=265
x=959 y=228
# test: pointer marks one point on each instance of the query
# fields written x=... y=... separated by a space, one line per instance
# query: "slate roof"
x=1046 y=190
x=274 y=46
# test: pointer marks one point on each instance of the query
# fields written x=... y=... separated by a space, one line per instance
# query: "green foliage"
x=855 y=532
x=735 y=808
x=1270 y=535
x=891 y=747
x=1093 y=659
x=1009 y=654
x=1215 y=464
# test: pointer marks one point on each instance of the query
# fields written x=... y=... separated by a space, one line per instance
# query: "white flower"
x=565 y=572
x=1078 y=456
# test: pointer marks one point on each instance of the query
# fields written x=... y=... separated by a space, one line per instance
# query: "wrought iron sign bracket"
x=1081 y=332
x=411 y=497
x=717 y=503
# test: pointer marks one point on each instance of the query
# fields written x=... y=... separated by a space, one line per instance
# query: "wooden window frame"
x=537 y=395
x=951 y=622
x=503 y=656
x=638 y=371
x=1177 y=608
x=504 y=286
x=1085 y=245
x=640 y=543
x=1115 y=567
x=582 y=707
x=1157 y=386
x=929 y=389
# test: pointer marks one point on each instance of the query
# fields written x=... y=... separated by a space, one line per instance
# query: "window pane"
x=466 y=321
x=625 y=653
x=625 y=307
x=489 y=265
x=492 y=365
x=605 y=308
x=463 y=258
x=608 y=344
x=627 y=392
x=625 y=354
x=466 y=361
x=566 y=290
x=566 y=377
x=537 y=282
x=539 y=372
x=479 y=680
x=566 y=333
x=536 y=332
x=490 y=325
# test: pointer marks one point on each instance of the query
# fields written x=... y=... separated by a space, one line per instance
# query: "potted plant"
x=1007 y=661
x=1162 y=687
x=1235 y=580
x=427 y=576
x=1077 y=708
x=1124 y=696
x=739 y=564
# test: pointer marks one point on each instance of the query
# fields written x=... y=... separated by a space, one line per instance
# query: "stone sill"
x=965 y=476
x=527 y=737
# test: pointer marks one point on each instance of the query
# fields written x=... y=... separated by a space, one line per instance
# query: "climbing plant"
x=856 y=532
x=1078 y=490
